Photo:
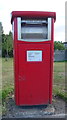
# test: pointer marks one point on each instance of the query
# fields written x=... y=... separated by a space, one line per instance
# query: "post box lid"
x=32 y=14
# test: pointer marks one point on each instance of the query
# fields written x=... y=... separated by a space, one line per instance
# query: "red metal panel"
x=51 y=61
x=33 y=14
x=34 y=76
x=33 y=81
x=15 y=62
x=26 y=42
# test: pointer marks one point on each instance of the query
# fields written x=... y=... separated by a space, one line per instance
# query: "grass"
x=59 y=83
x=7 y=77
x=8 y=80
x=7 y=72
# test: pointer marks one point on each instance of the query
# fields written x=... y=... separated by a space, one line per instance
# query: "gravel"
x=56 y=109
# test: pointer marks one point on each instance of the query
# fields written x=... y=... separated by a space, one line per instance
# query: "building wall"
x=60 y=55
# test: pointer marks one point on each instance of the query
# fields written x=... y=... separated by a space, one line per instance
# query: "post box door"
x=34 y=73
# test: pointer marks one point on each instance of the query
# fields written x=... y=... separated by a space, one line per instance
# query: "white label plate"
x=34 y=55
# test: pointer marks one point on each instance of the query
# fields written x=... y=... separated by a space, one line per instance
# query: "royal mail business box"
x=33 y=38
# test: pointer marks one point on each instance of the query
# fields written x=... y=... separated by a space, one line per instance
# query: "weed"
x=6 y=92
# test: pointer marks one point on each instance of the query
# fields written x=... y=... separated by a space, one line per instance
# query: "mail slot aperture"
x=34 y=29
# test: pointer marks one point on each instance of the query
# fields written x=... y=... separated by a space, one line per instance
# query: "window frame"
x=32 y=40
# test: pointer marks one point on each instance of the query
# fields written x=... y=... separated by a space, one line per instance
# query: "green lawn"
x=7 y=73
x=59 y=80
x=8 y=78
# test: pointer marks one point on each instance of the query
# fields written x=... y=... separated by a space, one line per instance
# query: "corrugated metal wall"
x=60 y=55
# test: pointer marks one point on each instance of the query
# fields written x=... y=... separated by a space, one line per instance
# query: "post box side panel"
x=34 y=74
x=15 y=54
x=51 y=61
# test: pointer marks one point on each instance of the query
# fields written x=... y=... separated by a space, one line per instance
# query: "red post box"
x=33 y=34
